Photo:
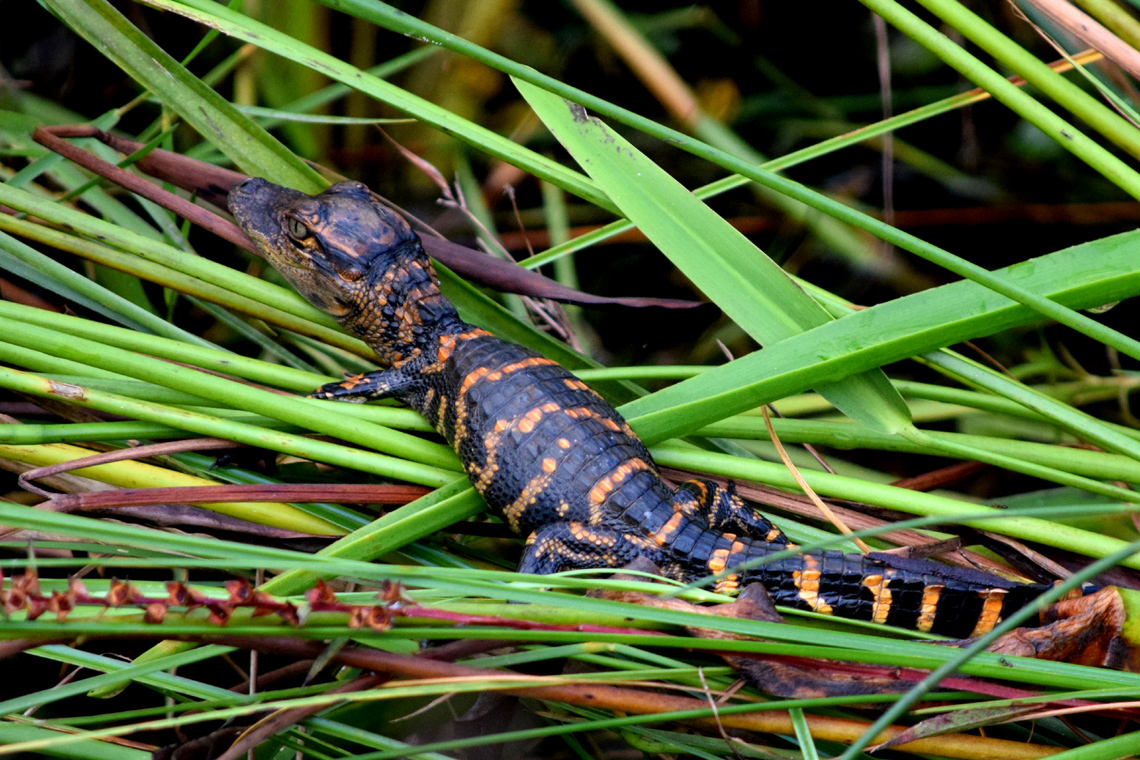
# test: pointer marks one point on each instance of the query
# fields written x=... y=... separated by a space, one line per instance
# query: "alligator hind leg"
x=724 y=510
x=574 y=545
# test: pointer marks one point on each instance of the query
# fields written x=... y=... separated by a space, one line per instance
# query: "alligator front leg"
x=371 y=386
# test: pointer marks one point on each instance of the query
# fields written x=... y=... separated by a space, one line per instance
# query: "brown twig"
x=52 y=138
x=347 y=493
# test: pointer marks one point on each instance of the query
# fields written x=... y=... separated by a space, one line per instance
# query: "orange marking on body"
x=583 y=533
x=550 y=406
x=353 y=382
x=564 y=443
x=597 y=514
x=737 y=547
x=929 y=608
x=487 y=472
x=583 y=412
x=606 y=484
x=515 y=510
x=991 y=611
x=719 y=560
x=473 y=377
x=806 y=582
x=727 y=585
x=530 y=361
x=881 y=607
x=443 y=353
x=549 y=465
x=675 y=521
x=446 y=346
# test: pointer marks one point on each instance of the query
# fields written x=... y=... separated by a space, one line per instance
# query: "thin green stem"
x=377 y=464
x=327 y=419
x=1078 y=102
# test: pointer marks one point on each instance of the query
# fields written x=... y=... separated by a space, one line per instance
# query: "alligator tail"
x=918 y=594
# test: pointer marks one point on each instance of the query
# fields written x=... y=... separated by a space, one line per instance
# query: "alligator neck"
x=400 y=312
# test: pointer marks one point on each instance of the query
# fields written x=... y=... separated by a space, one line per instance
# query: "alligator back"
x=539 y=444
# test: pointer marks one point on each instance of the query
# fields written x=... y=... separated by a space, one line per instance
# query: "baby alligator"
x=548 y=454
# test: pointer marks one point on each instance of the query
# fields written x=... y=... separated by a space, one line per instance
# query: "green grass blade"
x=1125 y=745
x=1063 y=133
x=242 y=27
x=72 y=285
x=246 y=144
x=1078 y=102
x=78 y=749
x=204 y=424
x=1083 y=276
x=745 y=283
x=1087 y=149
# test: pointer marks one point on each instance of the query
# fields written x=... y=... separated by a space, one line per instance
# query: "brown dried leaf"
x=155 y=613
x=321 y=595
x=121 y=593
x=956 y=721
x=239 y=590
x=61 y=605
x=425 y=166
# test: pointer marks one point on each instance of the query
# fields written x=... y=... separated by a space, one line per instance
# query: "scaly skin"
x=552 y=458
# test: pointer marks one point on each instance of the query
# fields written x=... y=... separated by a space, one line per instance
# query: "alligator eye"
x=297 y=229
